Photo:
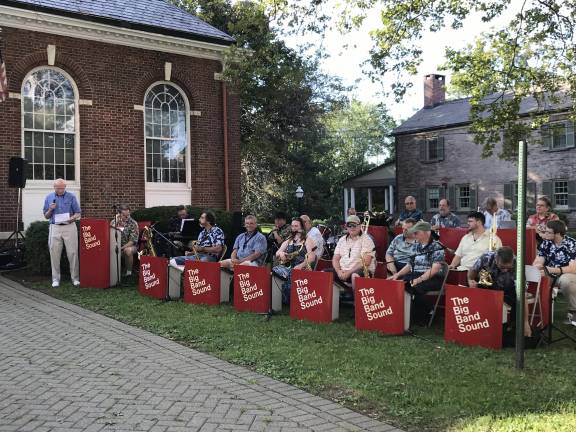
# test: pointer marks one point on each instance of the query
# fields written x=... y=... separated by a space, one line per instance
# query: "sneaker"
x=76 y=283
x=55 y=284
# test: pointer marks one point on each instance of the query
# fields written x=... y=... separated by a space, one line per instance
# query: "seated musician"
x=315 y=235
x=280 y=232
x=444 y=218
x=556 y=256
x=410 y=211
x=249 y=247
x=542 y=217
x=353 y=252
x=294 y=253
x=401 y=248
x=209 y=245
x=174 y=232
x=495 y=270
x=473 y=244
x=492 y=211
x=424 y=272
x=129 y=236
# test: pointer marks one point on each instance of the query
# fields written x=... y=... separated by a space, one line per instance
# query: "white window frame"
x=41 y=184
x=457 y=193
x=554 y=202
x=158 y=193
x=428 y=190
x=551 y=127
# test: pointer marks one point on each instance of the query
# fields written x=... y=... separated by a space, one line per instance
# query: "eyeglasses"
x=351 y=225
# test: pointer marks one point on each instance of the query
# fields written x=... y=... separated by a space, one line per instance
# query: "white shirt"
x=318 y=240
x=469 y=250
x=352 y=251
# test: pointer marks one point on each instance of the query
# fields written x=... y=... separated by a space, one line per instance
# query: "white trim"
x=167 y=71
x=218 y=76
x=172 y=192
x=87 y=30
x=87 y=102
x=51 y=52
x=12 y=95
x=139 y=107
x=195 y=113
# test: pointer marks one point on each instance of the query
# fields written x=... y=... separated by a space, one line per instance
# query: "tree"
x=532 y=55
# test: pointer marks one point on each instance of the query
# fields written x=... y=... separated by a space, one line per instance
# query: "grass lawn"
x=416 y=383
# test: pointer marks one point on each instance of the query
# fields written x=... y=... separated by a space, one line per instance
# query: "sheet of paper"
x=60 y=218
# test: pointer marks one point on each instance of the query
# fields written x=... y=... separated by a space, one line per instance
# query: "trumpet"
x=148 y=237
x=493 y=230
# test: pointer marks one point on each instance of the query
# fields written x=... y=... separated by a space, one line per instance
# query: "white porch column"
x=391 y=199
x=345 y=203
x=352 y=198
x=369 y=199
x=386 y=200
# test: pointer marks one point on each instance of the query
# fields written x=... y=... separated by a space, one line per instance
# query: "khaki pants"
x=567 y=286
x=63 y=235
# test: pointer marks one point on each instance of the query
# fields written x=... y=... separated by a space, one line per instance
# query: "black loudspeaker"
x=17 y=172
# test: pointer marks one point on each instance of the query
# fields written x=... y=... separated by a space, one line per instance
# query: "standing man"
x=444 y=218
x=62 y=209
x=128 y=228
x=410 y=211
x=492 y=211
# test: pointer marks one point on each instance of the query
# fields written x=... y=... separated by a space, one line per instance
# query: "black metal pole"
x=521 y=254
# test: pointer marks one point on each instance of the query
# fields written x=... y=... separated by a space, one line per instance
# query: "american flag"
x=3 y=80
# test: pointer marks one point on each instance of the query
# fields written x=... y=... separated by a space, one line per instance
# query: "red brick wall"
x=115 y=78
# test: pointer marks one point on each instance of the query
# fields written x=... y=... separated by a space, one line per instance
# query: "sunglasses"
x=351 y=225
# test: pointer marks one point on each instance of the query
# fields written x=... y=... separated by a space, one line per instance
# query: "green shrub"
x=37 y=253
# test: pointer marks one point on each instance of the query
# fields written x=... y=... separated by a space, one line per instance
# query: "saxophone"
x=484 y=276
x=290 y=256
x=148 y=237
x=193 y=245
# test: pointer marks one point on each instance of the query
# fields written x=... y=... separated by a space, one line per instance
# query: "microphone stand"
x=170 y=242
x=116 y=247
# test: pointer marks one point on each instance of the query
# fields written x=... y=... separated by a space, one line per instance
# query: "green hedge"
x=37 y=253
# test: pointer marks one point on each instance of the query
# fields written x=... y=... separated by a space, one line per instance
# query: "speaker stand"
x=17 y=238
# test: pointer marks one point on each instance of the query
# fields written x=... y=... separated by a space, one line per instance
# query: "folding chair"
x=439 y=293
x=533 y=275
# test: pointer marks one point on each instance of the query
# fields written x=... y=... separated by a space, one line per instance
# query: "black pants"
x=421 y=308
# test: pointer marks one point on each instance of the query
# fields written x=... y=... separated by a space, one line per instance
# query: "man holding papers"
x=62 y=210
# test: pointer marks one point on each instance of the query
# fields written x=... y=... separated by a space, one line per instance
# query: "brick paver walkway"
x=63 y=368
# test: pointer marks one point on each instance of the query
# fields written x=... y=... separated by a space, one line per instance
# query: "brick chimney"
x=434 y=90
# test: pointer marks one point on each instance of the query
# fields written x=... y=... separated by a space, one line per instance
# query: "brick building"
x=122 y=99
x=436 y=157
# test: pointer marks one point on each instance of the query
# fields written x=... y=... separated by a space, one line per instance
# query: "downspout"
x=225 y=129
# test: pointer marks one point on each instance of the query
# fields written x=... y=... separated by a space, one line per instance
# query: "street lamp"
x=299 y=196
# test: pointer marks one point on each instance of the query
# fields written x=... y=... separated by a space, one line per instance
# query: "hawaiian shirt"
x=414 y=214
x=214 y=237
x=501 y=216
x=400 y=249
x=448 y=221
x=558 y=255
x=129 y=230
x=426 y=255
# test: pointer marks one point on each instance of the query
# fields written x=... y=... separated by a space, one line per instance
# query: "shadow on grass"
x=416 y=383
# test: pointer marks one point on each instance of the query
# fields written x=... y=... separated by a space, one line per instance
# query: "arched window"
x=49 y=109
x=165 y=130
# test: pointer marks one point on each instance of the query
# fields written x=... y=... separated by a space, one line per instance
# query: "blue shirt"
x=400 y=250
x=214 y=237
x=248 y=243
x=502 y=215
x=65 y=203
x=414 y=214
